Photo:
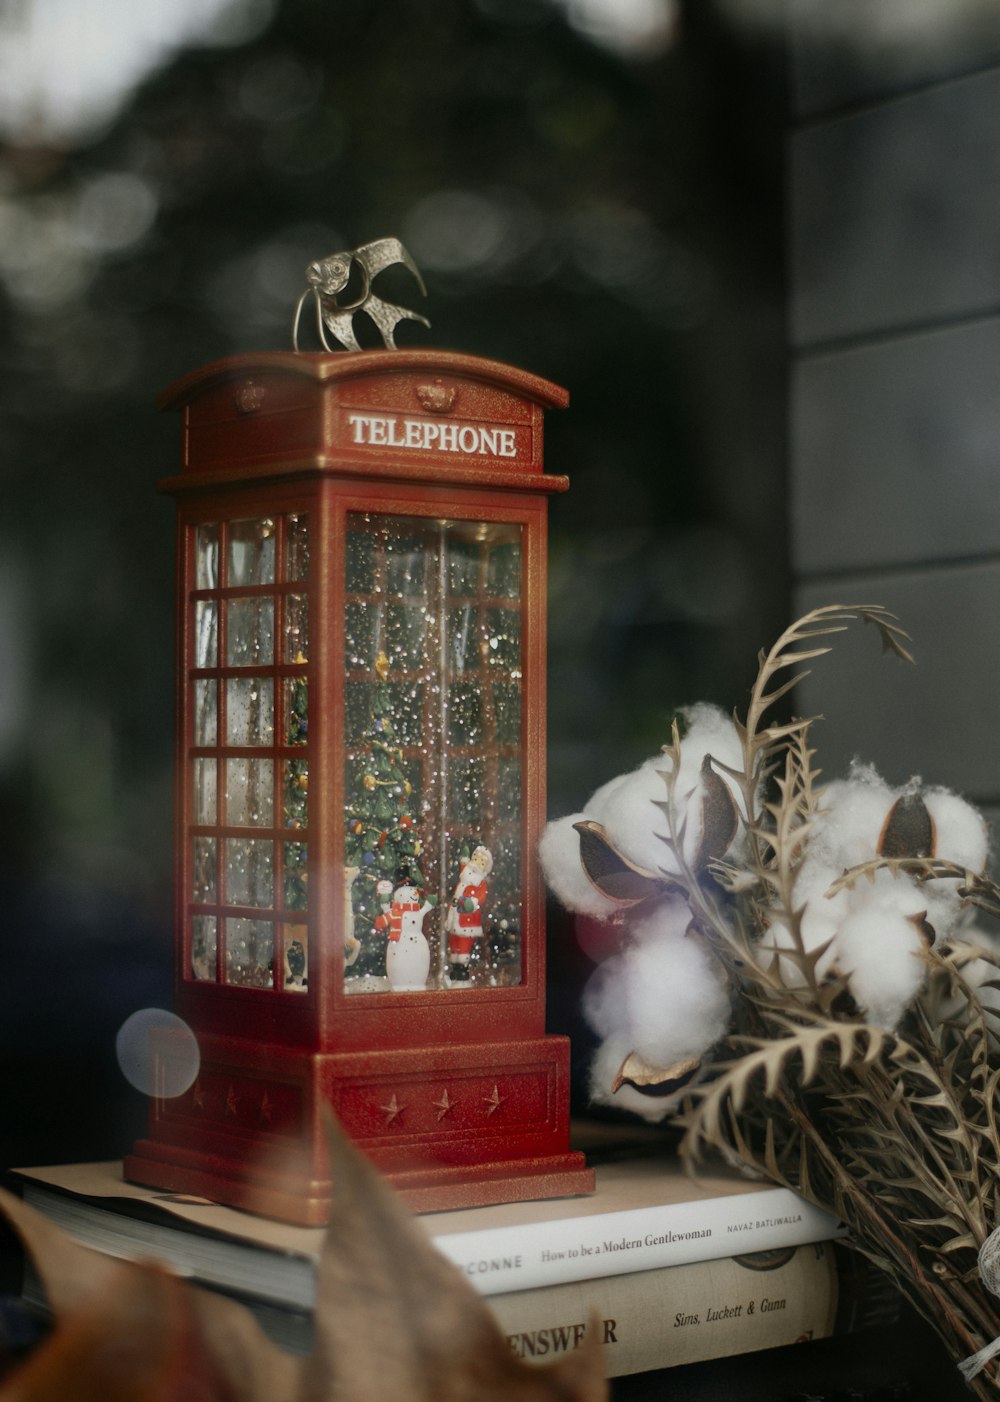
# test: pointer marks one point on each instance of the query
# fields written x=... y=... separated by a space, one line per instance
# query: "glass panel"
x=206 y=633
x=206 y=556
x=249 y=952
x=413 y=775
x=296 y=715
x=296 y=628
x=249 y=793
x=465 y=714
x=249 y=711
x=406 y=712
x=251 y=552
x=249 y=872
x=203 y=946
x=405 y=561
x=297 y=547
x=296 y=856
x=203 y=870
x=503 y=639
x=432 y=729
x=405 y=633
x=295 y=941
x=359 y=563
x=249 y=632
x=357 y=705
x=463 y=638
x=508 y=799
x=360 y=622
x=204 y=807
x=463 y=567
x=507 y=712
x=503 y=578
x=466 y=790
x=504 y=946
x=206 y=713
x=295 y=784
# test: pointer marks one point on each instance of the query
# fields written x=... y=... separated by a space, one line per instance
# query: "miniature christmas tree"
x=381 y=831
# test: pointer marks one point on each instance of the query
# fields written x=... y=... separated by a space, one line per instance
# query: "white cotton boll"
x=559 y=855
x=961 y=831
x=847 y=833
x=676 y=993
x=604 y=1003
x=879 y=952
x=634 y=823
x=609 y=992
x=812 y=883
x=665 y=994
x=629 y=809
x=604 y=1069
x=945 y=913
x=597 y=803
x=709 y=731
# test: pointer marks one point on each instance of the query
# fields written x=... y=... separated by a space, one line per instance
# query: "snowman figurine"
x=408 y=955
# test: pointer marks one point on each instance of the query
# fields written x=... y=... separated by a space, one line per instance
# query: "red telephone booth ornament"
x=360 y=783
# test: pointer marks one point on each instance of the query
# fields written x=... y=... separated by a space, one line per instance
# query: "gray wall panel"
x=940 y=718
x=895 y=213
x=852 y=51
x=896 y=451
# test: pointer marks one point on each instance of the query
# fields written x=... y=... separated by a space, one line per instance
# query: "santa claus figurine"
x=465 y=913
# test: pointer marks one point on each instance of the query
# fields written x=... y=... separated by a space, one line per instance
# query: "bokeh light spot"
x=158 y=1053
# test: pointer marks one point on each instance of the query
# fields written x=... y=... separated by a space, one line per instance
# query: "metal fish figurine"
x=328 y=278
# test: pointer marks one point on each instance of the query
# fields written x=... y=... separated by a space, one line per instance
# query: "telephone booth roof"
x=404 y=414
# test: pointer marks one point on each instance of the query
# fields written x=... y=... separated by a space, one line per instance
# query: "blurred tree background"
x=591 y=188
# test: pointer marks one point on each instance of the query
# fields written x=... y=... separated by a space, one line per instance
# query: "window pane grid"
x=247 y=680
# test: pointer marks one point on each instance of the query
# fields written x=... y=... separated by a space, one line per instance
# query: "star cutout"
x=391 y=1110
x=493 y=1101
x=444 y=1105
x=231 y=1102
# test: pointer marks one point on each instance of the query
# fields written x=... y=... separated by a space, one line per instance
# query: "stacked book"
x=670 y=1269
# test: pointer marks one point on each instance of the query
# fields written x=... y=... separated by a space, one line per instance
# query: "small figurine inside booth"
x=465 y=914
x=408 y=955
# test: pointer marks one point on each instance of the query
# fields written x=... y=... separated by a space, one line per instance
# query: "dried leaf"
x=396 y=1320
x=127 y=1332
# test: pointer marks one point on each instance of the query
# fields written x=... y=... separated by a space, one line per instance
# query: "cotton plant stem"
x=945 y=1178
x=987 y=1320
x=927 y=1294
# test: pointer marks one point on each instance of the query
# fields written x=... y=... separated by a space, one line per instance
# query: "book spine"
x=532 y=1255
x=680 y=1314
x=675 y=1315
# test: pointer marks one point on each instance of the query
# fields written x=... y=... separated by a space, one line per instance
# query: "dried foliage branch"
x=895 y=1128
